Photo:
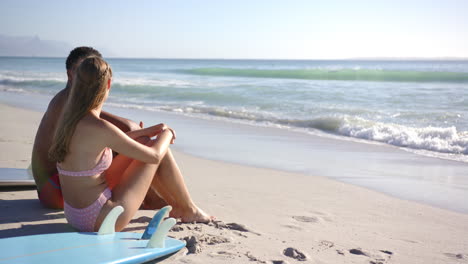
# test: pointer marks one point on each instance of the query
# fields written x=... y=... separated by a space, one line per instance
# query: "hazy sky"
x=286 y=29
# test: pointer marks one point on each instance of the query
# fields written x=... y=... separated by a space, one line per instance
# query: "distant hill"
x=32 y=47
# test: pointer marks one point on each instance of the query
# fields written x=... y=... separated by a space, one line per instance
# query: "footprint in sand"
x=325 y=216
x=358 y=251
x=325 y=244
x=306 y=219
x=295 y=254
x=377 y=258
x=294 y=227
x=223 y=255
x=234 y=226
x=456 y=256
x=253 y=258
x=340 y=252
x=195 y=243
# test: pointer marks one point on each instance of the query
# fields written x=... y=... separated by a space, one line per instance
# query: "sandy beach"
x=263 y=215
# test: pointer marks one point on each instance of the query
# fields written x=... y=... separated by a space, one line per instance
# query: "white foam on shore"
x=439 y=139
x=21 y=77
x=442 y=142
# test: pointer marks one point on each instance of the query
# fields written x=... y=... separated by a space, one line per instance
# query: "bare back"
x=85 y=151
x=42 y=167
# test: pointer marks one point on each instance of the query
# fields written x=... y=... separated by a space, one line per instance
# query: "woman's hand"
x=152 y=131
x=156 y=129
x=163 y=127
x=173 y=135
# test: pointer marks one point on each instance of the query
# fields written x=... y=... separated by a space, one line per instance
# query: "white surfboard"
x=16 y=177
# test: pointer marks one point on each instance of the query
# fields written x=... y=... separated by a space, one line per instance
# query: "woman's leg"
x=133 y=179
x=113 y=176
x=129 y=192
x=170 y=185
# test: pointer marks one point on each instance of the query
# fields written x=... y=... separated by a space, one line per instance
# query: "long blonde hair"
x=87 y=92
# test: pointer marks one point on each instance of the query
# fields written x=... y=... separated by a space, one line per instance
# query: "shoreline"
x=327 y=220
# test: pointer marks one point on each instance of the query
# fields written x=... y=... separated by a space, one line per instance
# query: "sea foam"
x=436 y=139
x=439 y=139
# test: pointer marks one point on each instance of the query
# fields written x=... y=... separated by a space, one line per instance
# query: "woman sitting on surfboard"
x=93 y=183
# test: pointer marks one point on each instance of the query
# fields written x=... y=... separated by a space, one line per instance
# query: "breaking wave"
x=338 y=75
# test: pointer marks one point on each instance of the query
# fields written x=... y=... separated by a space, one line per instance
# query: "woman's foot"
x=193 y=215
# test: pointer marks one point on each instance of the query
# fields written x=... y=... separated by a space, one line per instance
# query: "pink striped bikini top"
x=102 y=165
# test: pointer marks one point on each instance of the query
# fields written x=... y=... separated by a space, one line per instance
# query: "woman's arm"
x=146 y=132
x=122 y=123
x=120 y=142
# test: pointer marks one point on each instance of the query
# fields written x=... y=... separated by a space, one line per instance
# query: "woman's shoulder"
x=90 y=133
x=94 y=124
x=99 y=130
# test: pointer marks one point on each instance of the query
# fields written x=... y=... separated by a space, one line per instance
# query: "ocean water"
x=420 y=106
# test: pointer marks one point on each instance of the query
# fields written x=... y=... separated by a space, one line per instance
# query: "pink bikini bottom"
x=84 y=219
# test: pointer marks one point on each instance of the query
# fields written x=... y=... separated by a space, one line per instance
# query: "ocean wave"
x=356 y=74
x=22 y=76
x=122 y=84
x=32 y=83
x=36 y=80
x=436 y=139
x=131 y=82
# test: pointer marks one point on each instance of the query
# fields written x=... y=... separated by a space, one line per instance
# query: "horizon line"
x=373 y=58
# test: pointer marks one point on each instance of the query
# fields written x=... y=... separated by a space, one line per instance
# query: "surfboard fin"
x=158 y=239
x=156 y=221
x=108 y=225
